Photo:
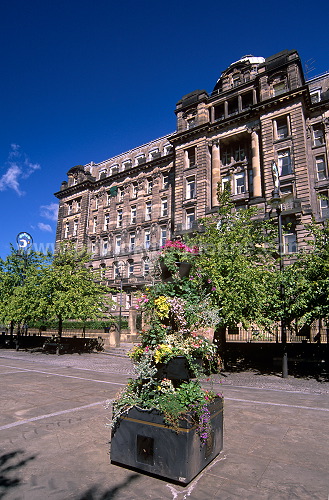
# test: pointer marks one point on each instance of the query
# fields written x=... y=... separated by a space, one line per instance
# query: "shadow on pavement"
x=10 y=463
x=95 y=493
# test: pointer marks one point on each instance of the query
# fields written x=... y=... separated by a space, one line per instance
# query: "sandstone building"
x=125 y=208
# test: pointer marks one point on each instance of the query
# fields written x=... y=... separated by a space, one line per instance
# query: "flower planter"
x=177 y=368
x=143 y=441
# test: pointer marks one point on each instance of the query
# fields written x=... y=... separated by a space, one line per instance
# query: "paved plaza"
x=55 y=441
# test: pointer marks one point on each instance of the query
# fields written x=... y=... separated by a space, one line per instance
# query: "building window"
x=75 y=227
x=318 y=134
x=190 y=218
x=232 y=106
x=128 y=300
x=190 y=188
x=167 y=149
x=114 y=297
x=133 y=214
x=239 y=183
x=219 y=111
x=132 y=241
x=147 y=239
x=315 y=96
x=247 y=100
x=164 y=207
x=131 y=268
x=118 y=245
x=226 y=183
x=108 y=198
x=67 y=229
x=165 y=181
x=69 y=208
x=289 y=243
x=119 y=217
x=96 y=203
x=279 y=88
x=284 y=162
x=106 y=222
x=102 y=173
x=93 y=248
x=120 y=193
x=239 y=153
x=146 y=266
x=163 y=236
x=149 y=185
x=140 y=159
x=114 y=169
x=78 y=204
x=226 y=157
x=190 y=155
x=236 y=79
x=134 y=189
x=281 y=128
x=155 y=153
x=148 y=210
x=126 y=164
x=191 y=122
x=324 y=205
x=321 y=167
x=104 y=247
x=94 y=224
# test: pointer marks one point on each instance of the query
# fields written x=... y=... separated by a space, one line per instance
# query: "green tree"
x=14 y=274
x=306 y=281
x=237 y=264
x=65 y=288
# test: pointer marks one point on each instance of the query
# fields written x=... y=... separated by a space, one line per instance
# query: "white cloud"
x=49 y=211
x=11 y=179
x=19 y=167
x=45 y=227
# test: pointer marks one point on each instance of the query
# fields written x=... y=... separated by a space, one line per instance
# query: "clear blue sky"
x=85 y=80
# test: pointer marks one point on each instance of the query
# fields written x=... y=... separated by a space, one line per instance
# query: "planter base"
x=144 y=442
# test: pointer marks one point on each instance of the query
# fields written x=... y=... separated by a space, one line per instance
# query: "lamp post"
x=276 y=202
x=119 y=274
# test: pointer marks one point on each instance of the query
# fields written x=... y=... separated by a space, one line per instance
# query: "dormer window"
x=114 y=169
x=315 y=95
x=102 y=173
x=167 y=149
x=140 y=159
x=126 y=164
x=155 y=153
x=236 y=79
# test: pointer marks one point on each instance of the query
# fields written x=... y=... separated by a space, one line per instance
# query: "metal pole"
x=282 y=294
x=120 y=307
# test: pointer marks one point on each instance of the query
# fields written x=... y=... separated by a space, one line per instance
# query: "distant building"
x=125 y=208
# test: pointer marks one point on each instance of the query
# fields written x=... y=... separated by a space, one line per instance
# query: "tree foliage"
x=62 y=288
x=237 y=263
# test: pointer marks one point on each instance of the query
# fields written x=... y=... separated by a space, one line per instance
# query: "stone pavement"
x=54 y=439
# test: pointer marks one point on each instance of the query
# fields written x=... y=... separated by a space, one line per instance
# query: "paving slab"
x=55 y=441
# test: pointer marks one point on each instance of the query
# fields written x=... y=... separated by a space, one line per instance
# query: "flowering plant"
x=175 y=310
x=173 y=402
x=174 y=252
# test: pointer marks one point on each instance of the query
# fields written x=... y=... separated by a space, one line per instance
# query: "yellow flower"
x=162 y=306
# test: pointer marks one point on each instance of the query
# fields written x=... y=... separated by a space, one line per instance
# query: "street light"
x=276 y=203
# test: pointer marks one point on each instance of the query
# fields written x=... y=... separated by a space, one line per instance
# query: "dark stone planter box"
x=144 y=442
x=177 y=368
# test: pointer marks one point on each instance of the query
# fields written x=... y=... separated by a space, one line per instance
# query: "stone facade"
x=125 y=208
